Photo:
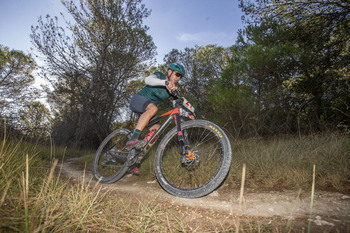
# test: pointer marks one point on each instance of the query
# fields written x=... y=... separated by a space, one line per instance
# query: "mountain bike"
x=191 y=160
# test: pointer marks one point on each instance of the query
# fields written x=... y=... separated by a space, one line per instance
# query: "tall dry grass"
x=287 y=162
x=281 y=162
x=34 y=197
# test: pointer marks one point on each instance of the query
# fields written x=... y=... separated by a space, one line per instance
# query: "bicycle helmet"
x=177 y=67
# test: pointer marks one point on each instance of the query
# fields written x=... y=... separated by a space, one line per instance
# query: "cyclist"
x=158 y=88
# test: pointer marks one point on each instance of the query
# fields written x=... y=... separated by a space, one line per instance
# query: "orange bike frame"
x=174 y=113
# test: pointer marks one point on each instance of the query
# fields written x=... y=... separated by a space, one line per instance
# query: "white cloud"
x=207 y=37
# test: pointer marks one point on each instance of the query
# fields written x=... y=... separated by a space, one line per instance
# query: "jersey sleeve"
x=153 y=80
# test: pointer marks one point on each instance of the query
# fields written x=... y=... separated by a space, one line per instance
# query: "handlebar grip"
x=175 y=93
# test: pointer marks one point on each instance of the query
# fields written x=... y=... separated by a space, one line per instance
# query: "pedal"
x=132 y=157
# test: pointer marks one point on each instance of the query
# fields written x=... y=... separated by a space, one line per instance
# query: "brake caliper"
x=191 y=158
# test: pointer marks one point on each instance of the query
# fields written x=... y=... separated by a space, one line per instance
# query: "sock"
x=135 y=134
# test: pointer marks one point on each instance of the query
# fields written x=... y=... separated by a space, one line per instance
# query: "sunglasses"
x=178 y=75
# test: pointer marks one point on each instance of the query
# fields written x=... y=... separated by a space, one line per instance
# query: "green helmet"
x=177 y=67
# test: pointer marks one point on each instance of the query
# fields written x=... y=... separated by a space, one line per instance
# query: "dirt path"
x=331 y=210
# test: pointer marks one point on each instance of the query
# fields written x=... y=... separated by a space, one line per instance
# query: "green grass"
x=280 y=163
x=35 y=198
x=286 y=163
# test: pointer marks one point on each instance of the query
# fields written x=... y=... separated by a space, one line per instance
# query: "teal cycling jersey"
x=155 y=94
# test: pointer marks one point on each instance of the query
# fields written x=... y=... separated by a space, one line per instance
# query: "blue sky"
x=173 y=23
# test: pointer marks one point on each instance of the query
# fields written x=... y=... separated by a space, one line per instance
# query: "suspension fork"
x=182 y=140
x=186 y=142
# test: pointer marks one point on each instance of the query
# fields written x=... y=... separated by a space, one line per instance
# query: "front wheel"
x=110 y=162
x=202 y=172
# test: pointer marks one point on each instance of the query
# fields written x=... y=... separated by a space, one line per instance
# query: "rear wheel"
x=110 y=162
x=202 y=172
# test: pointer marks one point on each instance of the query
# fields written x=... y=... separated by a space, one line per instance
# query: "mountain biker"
x=158 y=88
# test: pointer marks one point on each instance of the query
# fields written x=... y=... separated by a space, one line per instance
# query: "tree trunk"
x=284 y=103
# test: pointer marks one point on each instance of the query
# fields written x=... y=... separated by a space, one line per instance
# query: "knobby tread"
x=217 y=179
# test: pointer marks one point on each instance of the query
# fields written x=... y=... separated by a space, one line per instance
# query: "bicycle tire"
x=110 y=162
x=201 y=179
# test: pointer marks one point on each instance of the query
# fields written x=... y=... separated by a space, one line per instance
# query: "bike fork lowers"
x=182 y=140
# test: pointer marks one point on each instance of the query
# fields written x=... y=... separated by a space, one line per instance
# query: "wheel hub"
x=191 y=158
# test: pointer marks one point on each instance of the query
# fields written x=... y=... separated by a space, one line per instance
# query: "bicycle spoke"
x=203 y=139
x=207 y=146
x=110 y=160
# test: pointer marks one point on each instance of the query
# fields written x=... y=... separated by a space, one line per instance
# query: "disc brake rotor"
x=191 y=158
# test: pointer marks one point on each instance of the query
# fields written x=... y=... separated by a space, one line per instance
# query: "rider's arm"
x=153 y=80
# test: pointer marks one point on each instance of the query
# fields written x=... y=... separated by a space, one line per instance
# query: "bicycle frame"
x=172 y=114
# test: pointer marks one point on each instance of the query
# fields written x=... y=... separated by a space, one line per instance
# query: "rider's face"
x=175 y=76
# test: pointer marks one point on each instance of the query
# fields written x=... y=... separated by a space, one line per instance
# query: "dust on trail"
x=329 y=209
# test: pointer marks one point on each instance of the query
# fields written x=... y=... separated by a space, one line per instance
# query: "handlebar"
x=176 y=93
x=181 y=101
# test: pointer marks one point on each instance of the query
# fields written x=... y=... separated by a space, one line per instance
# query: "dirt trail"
x=329 y=209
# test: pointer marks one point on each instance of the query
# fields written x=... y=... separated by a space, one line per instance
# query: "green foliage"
x=232 y=101
x=134 y=86
x=16 y=93
x=90 y=69
x=15 y=72
x=203 y=64
x=317 y=39
x=234 y=109
x=269 y=60
x=36 y=119
x=287 y=72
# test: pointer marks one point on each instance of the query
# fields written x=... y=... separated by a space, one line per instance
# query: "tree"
x=270 y=60
x=35 y=120
x=90 y=69
x=15 y=76
x=204 y=65
x=320 y=84
x=16 y=79
x=233 y=103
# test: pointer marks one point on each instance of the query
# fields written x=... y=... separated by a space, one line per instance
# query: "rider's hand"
x=171 y=86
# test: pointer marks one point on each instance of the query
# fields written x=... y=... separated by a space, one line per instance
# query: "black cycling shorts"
x=138 y=104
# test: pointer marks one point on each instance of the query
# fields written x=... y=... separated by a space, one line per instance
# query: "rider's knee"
x=152 y=108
